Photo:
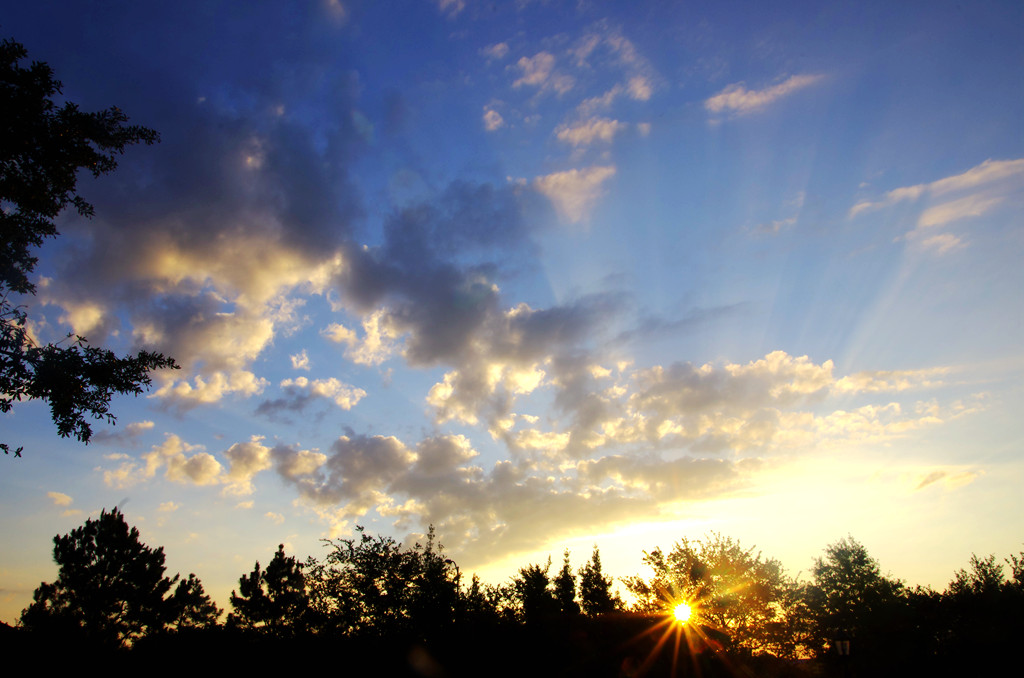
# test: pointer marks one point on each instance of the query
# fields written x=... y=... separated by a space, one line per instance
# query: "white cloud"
x=168 y=507
x=355 y=474
x=295 y=463
x=202 y=391
x=344 y=395
x=971 y=206
x=574 y=192
x=739 y=100
x=497 y=51
x=539 y=71
x=585 y=132
x=59 y=498
x=599 y=103
x=246 y=460
x=275 y=518
x=199 y=468
x=379 y=342
x=300 y=361
x=640 y=88
x=891 y=380
x=987 y=186
x=492 y=119
x=988 y=172
x=942 y=243
x=585 y=47
x=85 y=318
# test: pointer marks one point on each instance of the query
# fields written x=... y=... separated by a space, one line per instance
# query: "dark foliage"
x=273 y=600
x=533 y=592
x=596 y=595
x=404 y=612
x=111 y=588
x=371 y=586
x=190 y=608
x=565 y=588
x=43 y=148
x=731 y=588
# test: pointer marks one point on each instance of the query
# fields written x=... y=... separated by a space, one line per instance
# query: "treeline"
x=376 y=606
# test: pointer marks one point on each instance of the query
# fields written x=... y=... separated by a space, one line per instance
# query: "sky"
x=544 y=275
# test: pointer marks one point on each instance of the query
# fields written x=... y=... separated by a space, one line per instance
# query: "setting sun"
x=682 y=612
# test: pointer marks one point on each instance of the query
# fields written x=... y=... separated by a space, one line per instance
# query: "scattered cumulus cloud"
x=574 y=192
x=300 y=390
x=245 y=461
x=451 y=7
x=378 y=343
x=181 y=462
x=497 y=51
x=492 y=119
x=586 y=132
x=59 y=498
x=183 y=395
x=639 y=88
x=300 y=361
x=539 y=71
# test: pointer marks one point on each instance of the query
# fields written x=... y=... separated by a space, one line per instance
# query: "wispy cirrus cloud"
x=986 y=173
x=736 y=99
x=977 y=192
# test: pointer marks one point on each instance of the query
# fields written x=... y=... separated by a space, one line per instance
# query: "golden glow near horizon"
x=682 y=612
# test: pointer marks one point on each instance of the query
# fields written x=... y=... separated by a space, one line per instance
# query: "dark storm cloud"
x=202 y=243
x=437 y=270
x=652 y=325
x=485 y=515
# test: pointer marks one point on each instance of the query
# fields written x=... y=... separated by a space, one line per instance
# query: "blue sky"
x=542 y=274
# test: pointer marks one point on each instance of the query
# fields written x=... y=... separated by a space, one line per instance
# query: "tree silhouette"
x=533 y=593
x=45 y=145
x=732 y=589
x=371 y=585
x=565 y=588
x=190 y=607
x=982 y=615
x=851 y=600
x=596 y=595
x=109 y=585
x=274 y=599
